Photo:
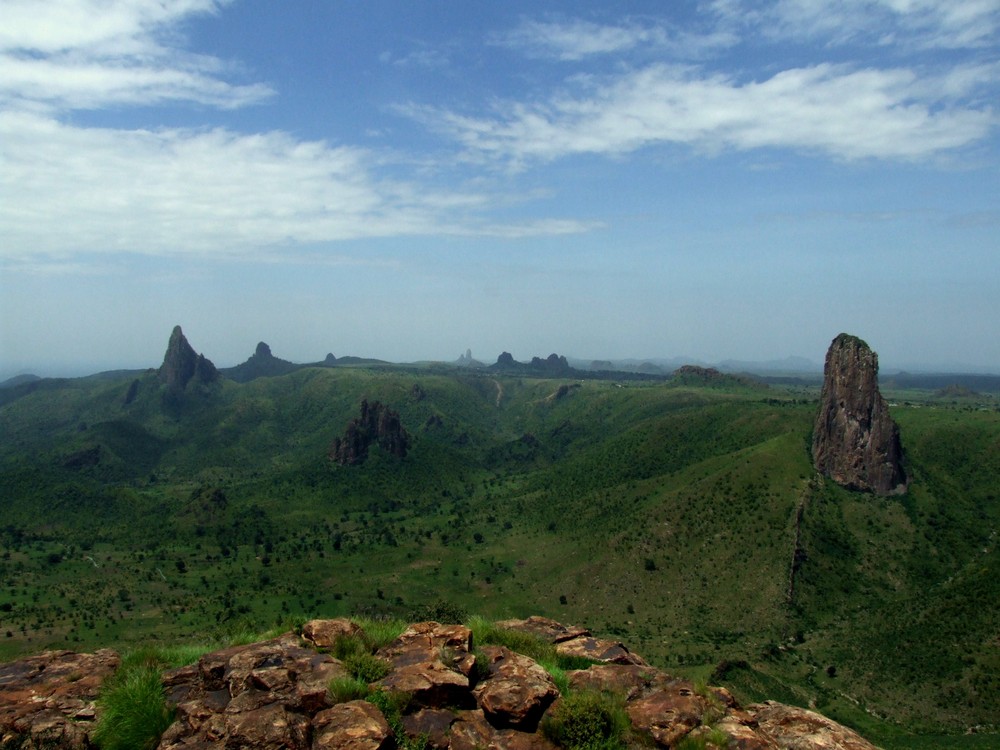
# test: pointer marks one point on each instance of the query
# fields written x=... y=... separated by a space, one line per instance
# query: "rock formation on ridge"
x=261 y=364
x=181 y=364
x=453 y=693
x=377 y=425
x=855 y=441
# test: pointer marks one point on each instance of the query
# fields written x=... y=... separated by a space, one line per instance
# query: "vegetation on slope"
x=686 y=520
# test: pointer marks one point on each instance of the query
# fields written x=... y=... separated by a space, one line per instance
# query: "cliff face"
x=377 y=425
x=855 y=441
x=181 y=364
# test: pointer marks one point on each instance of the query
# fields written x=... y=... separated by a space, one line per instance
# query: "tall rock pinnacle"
x=181 y=364
x=855 y=442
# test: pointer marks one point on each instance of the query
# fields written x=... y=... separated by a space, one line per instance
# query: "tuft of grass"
x=485 y=632
x=380 y=632
x=344 y=689
x=367 y=668
x=134 y=709
x=558 y=675
x=392 y=706
x=713 y=738
x=589 y=720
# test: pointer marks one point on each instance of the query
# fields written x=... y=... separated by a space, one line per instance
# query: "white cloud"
x=836 y=110
x=84 y=54
x=575 y=40
x=67 y=190
x=951 y=24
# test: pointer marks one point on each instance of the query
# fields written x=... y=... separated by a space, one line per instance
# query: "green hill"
x=684 y=518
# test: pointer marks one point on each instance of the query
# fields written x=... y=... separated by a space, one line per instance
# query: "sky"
x=700 y=179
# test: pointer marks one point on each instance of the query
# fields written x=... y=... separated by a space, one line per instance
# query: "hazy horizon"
x=705 y=179
x=815 y=363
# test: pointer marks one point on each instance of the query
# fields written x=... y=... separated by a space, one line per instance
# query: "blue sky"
x=707 y=179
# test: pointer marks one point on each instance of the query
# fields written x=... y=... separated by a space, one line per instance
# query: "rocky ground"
x=451 y=693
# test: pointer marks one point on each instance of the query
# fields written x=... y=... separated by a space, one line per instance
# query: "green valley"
x=683 y=517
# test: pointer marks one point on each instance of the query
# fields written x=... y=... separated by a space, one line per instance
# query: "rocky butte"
x=855 y=441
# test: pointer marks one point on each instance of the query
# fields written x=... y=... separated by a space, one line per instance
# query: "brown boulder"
x=324 y=633
x=356 y=725
x=855 y=442
x=260 y=695
x=517 y=692
x=668 y=713
x=794 y=728
x=431 y=662
x=627 y=679
x=598 y=649
x=544 y=628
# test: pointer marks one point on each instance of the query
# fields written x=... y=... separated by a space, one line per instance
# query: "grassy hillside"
x=685 y=519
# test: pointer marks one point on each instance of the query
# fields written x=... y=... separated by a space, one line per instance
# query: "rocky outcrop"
x=710 y=377
x=261 y=364
x=182 y=365
x=855 y=441
x=377 y=425
x=440 y=689
x=49 y=700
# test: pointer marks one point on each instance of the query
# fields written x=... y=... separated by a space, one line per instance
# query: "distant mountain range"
x=792 y=369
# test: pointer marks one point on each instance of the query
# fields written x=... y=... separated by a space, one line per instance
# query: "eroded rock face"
x=855 y=441
x=377 y=425
x=275 y=695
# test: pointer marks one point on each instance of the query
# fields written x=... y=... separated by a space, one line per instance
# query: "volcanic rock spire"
x=855 y=442
x=181 y=364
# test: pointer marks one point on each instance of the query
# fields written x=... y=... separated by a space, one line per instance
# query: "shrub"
x=135 y=711
x=588 y=720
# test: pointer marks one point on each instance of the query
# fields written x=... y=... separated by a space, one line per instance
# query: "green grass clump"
x=134 y=710
x=367 y=668
x=380 y=632
x=714 y=737
x=355 y=651
x=344 y=689
x=392 y=706
x=485 y=632
x=589 y=720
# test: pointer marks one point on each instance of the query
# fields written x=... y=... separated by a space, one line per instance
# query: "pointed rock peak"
x=855 y=441
x=181 y=363
x=263 y=351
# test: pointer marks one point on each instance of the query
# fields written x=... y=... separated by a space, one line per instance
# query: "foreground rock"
x=855 y=441
x=49 y=699
x=447 y=693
